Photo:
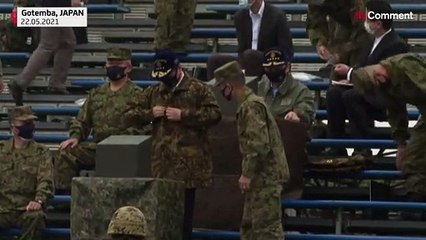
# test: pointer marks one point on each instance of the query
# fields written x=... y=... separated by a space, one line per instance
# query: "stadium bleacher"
x=137 y=34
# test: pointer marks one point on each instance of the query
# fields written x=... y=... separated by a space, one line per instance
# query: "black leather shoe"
x=17 y=93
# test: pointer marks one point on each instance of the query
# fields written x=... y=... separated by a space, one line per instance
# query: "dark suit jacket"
x=273 y=32
x=390 y=45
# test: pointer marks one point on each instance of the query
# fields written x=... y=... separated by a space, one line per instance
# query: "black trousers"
x=189 y=213
x=361 y=110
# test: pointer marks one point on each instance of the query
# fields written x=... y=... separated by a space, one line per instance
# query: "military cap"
x=21 y=113
x=164 y=62
x=117 y=53
x=274 y=57
x=226 y=72
x=128 y=220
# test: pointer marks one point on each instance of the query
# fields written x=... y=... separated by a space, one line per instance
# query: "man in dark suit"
x=360 y=109
x=56 y=42
x=260 y=26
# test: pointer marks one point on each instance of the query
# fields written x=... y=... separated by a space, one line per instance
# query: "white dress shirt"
x=377 y=40
x=256 y=19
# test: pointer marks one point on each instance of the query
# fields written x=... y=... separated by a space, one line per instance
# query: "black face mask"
x=276 y=75
x=115 y=73
x=170 y=81
x=227 y=96
x=26 y=131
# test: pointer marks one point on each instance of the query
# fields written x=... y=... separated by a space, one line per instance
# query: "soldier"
x=402 y=81
x=127 y=223
x=181 y=109
x=101 y=114
x=26 y=177
x=339 y=39
x=55 y=42
x=264 y=164
x=286 y=97
x=174 y=24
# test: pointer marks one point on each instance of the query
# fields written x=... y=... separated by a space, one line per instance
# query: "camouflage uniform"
x=14 y=39
x=407 y=84
x=180 y=149
x=25 y=175
x=101 y=115
x=128 y=221
x=342 y=34
x=174 y=23
x=264 y=162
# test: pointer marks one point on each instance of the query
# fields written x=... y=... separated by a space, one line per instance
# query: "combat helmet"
x=128 y=220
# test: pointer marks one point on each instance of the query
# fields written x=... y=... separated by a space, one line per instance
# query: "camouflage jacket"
x=291 y=95
x=407 y=85
x=25 y=175
x=181 y=149
x=264 y=159
x=332 y=23
x=102 y=113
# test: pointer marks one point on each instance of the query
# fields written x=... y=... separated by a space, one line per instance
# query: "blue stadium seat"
x=291 y=203
x=412 y=114
x=300 y=57
x=295 y=32
x=14 y=55
x=353 y=204
x=292 y=8
x=349 y=143
x=366 y=174
x=50 y=232
x=44 y=138
x=319 y=84
x=91 y=8
x=228 y=235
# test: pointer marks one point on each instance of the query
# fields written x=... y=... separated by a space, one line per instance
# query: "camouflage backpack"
x=14 y=39
x=343 y=164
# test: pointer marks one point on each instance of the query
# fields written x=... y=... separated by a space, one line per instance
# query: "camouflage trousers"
x=31 y=223
x=174 y=23
x=262 y=214
x=69 y=162
x=414 y=166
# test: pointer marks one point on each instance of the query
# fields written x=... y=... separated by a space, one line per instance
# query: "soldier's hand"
x=400 y=156
x=33 y=206
x=72 y=142
x=244 y=183
x=1 y=86
x=341 y=69
x=158 y=111
x=323 y=52
x=173 y=114
x=292 y=116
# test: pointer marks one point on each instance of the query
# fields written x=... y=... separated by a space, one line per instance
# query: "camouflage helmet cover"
x=128 y=220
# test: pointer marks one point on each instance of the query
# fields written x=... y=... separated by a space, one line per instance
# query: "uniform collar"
x=247 y=92
x=182 y=85
x=284 y=87
x=9 y=145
